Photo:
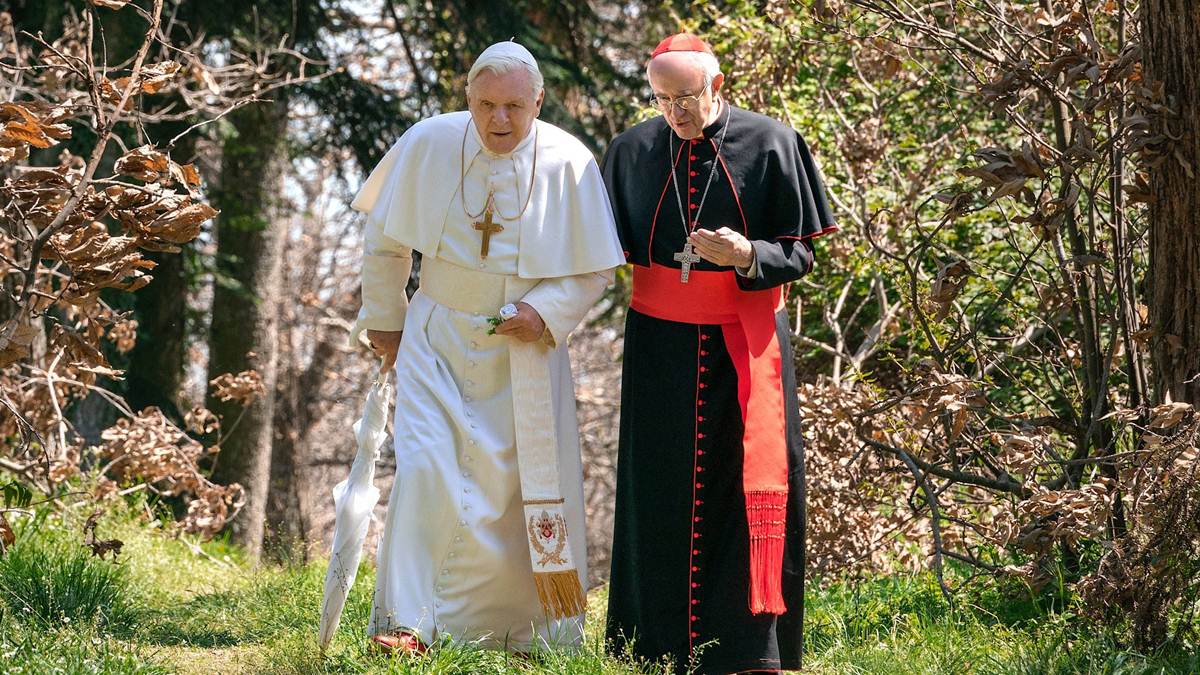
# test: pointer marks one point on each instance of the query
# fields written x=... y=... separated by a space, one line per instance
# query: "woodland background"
x=999 y=353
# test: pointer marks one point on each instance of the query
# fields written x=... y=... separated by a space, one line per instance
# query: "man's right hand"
x=385 y=344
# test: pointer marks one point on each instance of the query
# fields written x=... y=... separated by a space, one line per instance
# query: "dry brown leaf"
x=124 y=335
x=186 y=175
x=16 y=346
x=202 y=421
x=244 y=387
x=1168 y=415
x=16 y=111
x=26 y=132
x=190 y=175
x=58 y=132
x=184 y=225
x=112 y=91
x=11 y=151
x=127 y=197
x=156 y=76
x=100 y=547
x=202 y=74
x=144 y=163
x=109 y=4
x=7 y=536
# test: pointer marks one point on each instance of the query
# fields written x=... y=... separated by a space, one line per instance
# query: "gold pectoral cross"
x=488 y=227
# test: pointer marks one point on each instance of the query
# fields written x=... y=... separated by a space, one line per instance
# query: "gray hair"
x=707 y=63
x=501 y=64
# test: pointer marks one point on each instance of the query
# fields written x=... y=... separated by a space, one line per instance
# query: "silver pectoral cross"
x=686 y=258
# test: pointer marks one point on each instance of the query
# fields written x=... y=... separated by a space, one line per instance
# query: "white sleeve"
x=562 y=302
x=385 y=269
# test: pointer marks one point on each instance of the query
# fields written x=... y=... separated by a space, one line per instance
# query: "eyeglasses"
x=682 y=102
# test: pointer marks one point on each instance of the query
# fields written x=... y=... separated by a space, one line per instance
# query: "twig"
x=935 y=518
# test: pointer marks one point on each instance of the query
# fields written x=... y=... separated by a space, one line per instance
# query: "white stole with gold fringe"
x=554 y=571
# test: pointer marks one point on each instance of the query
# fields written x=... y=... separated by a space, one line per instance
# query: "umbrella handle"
x=381 y=375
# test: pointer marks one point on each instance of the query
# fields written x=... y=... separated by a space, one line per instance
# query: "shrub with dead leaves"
x=1152 y=568
x=993 y=316
x=148 y=449
x=857 y=517
x=70 y=232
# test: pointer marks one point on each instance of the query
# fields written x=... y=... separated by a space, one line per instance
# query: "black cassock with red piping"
x=681 y=570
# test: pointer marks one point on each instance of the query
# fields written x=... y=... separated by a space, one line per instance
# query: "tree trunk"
x=1172 y=56
x=298 y=409
x=243 y=335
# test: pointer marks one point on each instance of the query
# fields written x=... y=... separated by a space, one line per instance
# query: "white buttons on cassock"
x=461 y=523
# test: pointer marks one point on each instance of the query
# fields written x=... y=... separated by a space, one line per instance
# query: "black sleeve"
x=610 y=169
x=798 y=212
x=780 y=261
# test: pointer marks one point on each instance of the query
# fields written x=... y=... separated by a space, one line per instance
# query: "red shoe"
x=397 y=642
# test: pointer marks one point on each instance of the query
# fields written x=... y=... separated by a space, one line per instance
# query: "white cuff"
x=384 y=301
x=752 y=271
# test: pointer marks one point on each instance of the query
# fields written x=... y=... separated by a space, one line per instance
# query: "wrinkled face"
x=503 y=107
x=673 y=75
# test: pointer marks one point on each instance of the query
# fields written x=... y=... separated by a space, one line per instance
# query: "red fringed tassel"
x=767 y=515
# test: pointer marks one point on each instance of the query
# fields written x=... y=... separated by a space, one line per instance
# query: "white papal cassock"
x=454 y=558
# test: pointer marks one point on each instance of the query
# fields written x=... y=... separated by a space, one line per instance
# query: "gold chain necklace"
x=489 y=203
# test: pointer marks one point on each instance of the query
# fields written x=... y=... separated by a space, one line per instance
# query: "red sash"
x=747 y=320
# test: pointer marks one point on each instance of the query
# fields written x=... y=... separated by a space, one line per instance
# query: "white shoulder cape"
x=567 y=230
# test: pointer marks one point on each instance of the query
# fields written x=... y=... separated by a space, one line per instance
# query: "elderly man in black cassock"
x=716 y=209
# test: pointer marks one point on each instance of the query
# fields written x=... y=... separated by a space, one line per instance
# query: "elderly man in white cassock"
x=484 y=538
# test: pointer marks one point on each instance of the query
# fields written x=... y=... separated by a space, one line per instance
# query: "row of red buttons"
x=696 y=519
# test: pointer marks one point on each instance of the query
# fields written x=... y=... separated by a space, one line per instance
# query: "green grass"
x=168 y=607
x=903 y=625
x=30 y=650
x=49 y=581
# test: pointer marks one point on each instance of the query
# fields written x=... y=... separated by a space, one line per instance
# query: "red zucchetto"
x=681 y=42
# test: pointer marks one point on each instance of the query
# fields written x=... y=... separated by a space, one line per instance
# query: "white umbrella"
x=354 y=501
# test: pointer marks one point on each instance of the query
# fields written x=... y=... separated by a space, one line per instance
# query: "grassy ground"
x=169 y=609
